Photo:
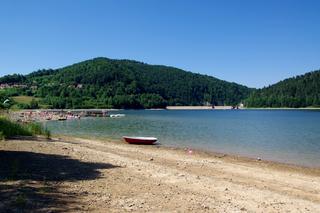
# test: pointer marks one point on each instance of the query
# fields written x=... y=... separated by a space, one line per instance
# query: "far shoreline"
x=285 y=108
x=170 y=108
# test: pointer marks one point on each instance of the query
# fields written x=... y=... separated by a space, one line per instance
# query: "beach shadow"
x=29 y=182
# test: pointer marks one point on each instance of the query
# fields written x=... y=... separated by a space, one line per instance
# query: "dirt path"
x=87 y=175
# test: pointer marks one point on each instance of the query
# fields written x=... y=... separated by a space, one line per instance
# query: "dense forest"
x=299 y=91
x=108 y=83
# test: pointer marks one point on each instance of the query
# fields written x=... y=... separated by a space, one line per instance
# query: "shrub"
x=10 y=128
x=21 y=201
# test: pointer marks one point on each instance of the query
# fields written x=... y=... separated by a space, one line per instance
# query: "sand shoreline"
x=207 y=154
x=121 y=177
x=200 y=151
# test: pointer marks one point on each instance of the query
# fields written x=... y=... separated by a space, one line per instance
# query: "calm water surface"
x=287 y=136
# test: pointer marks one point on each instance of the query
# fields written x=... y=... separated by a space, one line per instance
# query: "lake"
x=288 y=136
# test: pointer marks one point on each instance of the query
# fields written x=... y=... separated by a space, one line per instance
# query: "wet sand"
x=78 y=175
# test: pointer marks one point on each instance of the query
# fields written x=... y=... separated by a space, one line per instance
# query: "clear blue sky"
x=255 y=43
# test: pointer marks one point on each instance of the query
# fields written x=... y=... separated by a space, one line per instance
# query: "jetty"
x=31 y=115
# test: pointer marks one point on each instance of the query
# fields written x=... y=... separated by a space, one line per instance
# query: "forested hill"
x=299 y=91
x=103 y=83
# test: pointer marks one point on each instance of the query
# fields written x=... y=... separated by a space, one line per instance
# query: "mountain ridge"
x=122 y=83
x=295 y=92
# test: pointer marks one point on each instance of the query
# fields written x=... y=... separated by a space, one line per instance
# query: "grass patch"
x=25 y=102
x=24 y=99
x=10 y=129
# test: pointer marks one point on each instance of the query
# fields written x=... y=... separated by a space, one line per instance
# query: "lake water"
x=288 y=136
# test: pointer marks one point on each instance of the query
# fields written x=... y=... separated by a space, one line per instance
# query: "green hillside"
x=299 y=91
x=105 y=83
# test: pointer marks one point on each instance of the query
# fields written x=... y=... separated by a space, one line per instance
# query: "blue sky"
x=255 y=43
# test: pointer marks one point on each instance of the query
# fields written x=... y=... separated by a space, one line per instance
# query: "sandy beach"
x=78 y=175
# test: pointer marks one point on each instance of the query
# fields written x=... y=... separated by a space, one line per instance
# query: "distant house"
x=6 y=86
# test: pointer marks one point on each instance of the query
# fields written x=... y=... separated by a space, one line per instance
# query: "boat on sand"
x=140 y=140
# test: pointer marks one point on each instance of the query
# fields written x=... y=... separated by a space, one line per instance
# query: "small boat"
x=140 y=140
x=117 y=115
x=71 y=117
